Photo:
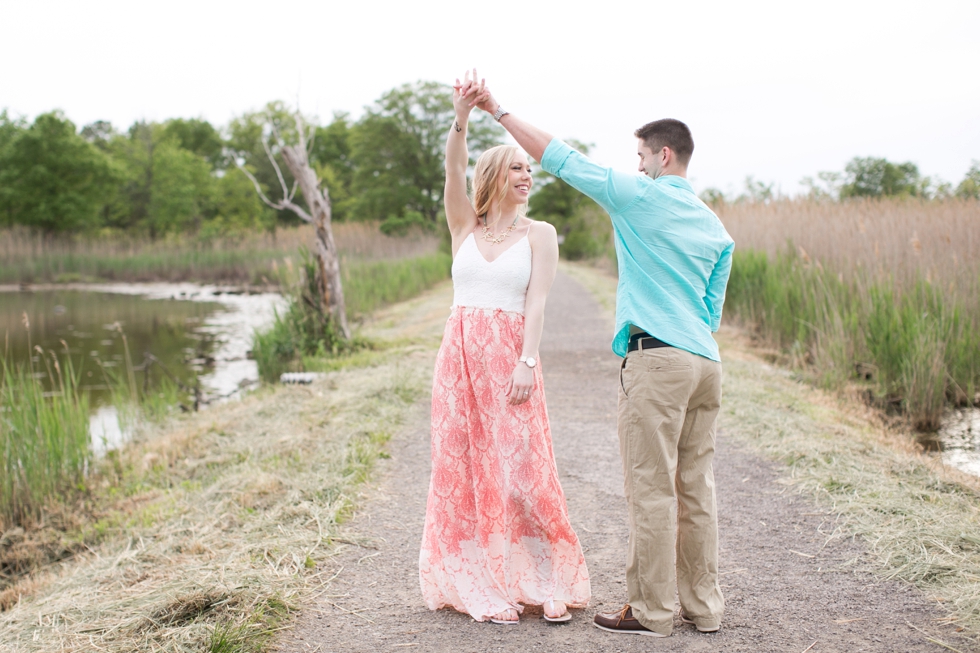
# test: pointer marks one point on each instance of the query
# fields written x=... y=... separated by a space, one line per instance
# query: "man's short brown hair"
x=670 y=133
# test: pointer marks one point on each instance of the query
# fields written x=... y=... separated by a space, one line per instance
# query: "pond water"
x=196 y=332
x=960 y=440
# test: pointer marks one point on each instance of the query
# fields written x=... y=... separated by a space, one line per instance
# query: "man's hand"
x=533 y=140
x=468 y=94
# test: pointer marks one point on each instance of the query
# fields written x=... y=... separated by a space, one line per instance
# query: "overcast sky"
x=776 y=90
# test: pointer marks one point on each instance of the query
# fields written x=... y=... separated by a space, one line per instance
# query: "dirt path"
x=788 y=584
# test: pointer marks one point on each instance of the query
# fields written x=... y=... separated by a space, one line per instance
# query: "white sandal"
x=566 y=616
x=506 y=622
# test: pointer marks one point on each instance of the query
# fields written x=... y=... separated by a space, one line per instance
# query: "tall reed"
x=44 y=436
x=251 y=257
x=919 y=345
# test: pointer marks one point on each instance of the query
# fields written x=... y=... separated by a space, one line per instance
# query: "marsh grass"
x=251 y=257
x=885 y=290
x=44 y=441
x=221 y=521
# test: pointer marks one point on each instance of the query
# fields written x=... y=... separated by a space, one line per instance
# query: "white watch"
x=497 y=115
x=529 y=361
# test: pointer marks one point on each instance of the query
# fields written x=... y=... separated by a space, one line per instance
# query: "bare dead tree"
x=297 y=158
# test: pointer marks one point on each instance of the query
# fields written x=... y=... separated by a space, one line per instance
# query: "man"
x=674 y=261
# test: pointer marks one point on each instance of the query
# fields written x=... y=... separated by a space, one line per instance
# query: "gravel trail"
x=789 y=585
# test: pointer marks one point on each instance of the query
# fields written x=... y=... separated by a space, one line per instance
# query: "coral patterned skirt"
x=497 y=533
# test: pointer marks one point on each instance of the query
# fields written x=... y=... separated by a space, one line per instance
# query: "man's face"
x=651 y=163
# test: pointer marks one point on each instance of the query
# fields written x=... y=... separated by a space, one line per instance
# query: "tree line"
x=863 y=177
x=182 y=175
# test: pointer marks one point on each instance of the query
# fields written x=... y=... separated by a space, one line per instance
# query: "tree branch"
x=272 y=158
x=298 y=210
x=285 y=203
x=258 y=187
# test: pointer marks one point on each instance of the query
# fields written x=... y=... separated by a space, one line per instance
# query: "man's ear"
x=666 y=155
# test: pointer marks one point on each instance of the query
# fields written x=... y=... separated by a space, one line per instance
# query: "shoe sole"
x=505 y=623
x=565 y=618
x=648 y=633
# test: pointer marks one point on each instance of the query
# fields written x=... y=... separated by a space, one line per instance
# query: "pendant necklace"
x=495 y=240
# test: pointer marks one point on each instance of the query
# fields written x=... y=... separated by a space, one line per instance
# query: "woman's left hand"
x=521 y=385
x=468 y=94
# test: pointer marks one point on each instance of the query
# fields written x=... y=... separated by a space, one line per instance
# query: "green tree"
x=166 y=189
x=247 y=133
x=757 y=191
x=970 y=186
x=397 y=151
x=9 y=130
x=51 y=178
x=331 y=156
x=878 y=177
x=197 y=136
x=100 y=134
x=712 y=196
x=237 y=208
x=826 y=187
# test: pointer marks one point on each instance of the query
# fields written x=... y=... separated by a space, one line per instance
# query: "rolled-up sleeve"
x=610 y=189
x=717 y=284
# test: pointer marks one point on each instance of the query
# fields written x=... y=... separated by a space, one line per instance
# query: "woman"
x=497 y=535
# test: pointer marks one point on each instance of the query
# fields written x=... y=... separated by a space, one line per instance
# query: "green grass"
x=921 y=348
x=370 y=285
x=44 y=437
x=299 y=338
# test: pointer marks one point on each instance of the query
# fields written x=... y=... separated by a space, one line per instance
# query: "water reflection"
x=92 y=325
x=201 y=334
x=960 y=439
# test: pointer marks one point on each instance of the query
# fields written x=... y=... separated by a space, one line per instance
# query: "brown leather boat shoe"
x=622 y=622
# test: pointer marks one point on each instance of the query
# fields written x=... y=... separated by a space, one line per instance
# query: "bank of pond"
x=82 y=365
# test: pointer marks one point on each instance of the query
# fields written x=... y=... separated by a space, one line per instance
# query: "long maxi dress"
x=497 y=533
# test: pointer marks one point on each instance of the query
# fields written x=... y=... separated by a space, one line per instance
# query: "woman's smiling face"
x=519 y=179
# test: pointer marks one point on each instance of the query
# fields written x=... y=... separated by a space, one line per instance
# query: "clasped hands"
x=469 y=93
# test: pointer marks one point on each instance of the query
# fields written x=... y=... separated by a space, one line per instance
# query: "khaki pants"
x=668 y=404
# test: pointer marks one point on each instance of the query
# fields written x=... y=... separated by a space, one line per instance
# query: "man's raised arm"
x=532 y=140
x=610 y=189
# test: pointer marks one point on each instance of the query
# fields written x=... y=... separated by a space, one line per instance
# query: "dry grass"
x=250 y=257
x=919 y=520
x=226 y=520
x=884 y=289
x=899 y=240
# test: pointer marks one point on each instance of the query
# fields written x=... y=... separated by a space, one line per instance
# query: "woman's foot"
x=508 y=617
x=555 y=612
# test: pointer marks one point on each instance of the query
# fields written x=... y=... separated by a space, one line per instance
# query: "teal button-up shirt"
x=674 y=254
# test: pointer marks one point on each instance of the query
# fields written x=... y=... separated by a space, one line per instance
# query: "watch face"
x=531 y=362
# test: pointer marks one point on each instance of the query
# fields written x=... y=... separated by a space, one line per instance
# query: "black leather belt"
x=645 y=341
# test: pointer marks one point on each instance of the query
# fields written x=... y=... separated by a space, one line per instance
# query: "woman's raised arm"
x=459 y=210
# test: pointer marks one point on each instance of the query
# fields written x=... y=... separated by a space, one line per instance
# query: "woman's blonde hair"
x=490 y=179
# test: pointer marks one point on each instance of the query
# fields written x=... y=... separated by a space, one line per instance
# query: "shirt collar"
x=676 y=182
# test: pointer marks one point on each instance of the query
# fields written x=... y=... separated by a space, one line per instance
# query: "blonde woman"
x=497 y=535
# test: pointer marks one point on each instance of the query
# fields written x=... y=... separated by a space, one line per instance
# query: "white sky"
x=777 y=90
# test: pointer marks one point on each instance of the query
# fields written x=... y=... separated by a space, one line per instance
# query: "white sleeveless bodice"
x=499 y=284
